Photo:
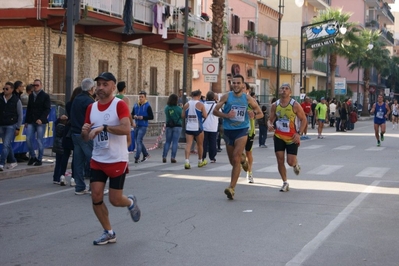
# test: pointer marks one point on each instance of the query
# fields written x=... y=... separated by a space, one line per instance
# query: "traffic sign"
x=211 y=78
x=210 y=66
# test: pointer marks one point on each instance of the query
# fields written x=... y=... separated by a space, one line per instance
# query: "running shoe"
x=63 y=181
x=1 y=167
x=378 y=143
x=285 y=187
x=145 y=158
x=187 y=166
x=229 y=192
x=73 y=183
x=12 y=166
x=382 y=136
x=203 y=163
x=250 y=179
x=56 y=182
x=105 y=238
x=173 y=160
x=82 y=192
x=164 y=160
x=135 y=211
x=297 y=169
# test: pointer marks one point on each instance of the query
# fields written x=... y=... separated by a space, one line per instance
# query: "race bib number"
x=240 y=113
x=380 y=115
x=101 y=141
x=283 y=125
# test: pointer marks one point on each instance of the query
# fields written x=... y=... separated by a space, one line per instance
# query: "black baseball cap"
x=106 y=76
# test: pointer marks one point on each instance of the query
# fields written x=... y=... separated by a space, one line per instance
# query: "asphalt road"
x=340 y=210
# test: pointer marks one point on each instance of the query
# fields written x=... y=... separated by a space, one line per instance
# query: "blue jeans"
x=31 y=131
x=139 y=134
x=262 y=135
x=7 y=135
x=209 y=145
x=61 y=164
x=172 y=137
x=82 y=151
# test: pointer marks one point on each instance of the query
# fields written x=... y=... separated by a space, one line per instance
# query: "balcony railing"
x=285 y=63
x=385 y=9
x=250 y=45
x=388 y=35
x=372 y=24
x=143 y=14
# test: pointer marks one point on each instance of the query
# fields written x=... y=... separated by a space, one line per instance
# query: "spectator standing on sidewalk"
x=18 y=91
x=173 y=127
x=141 y=113
x=107 y=125
x=39 y=106
x=121 y=86
x=307 y=108
x=64 y=149
x=283 y=114
x=193 y=114
x=395 y=114
x=333 y=110
x=262 y=123
x=10 y=122
x=321 y=116
x=338 y=116
x=313 y=116
x=82 y=150
x=235 y=114
x=210 y=128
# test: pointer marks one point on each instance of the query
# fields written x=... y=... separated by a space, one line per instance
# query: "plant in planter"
x=240 y=46
x=204 y=16
x=250 y=34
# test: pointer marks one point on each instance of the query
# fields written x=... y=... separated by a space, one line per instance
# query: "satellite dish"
x=299 y=3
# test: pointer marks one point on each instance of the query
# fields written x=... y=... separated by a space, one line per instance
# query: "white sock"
x=131 y=203
x=111 y=232
x=187 y=161
x=199 y=161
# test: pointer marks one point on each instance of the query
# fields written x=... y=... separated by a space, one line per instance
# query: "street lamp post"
x=299 y=3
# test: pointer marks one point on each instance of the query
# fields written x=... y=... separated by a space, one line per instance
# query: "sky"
x=395 y=7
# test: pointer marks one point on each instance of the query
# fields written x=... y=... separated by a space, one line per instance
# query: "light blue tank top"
x=238 y=104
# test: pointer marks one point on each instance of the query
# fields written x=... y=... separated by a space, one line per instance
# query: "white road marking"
x=376 y=172
x=312 y=147
x=376 y=148
x=325 y=169
x=310 y=248
x=344 y=147
x=272 y=168
x=222 y=168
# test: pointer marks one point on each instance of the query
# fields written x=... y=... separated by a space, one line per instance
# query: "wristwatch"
x=105 y=128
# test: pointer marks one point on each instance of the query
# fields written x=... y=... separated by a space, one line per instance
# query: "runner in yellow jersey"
x=247 y=166
x=282 y=121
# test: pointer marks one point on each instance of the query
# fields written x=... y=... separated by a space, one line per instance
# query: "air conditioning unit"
x=251 y=73
x=195 y=74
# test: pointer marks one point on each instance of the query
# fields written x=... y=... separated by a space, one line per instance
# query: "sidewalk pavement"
x=153 y=143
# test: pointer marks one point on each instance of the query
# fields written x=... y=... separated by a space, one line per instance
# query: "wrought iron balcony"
x=250 y=47
x=285 y=63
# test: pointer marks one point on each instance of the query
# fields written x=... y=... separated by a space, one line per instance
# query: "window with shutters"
x=59 y=73
x=251 y=26
x=102 y=66
x=235 y=24
x=176 y=81
x=153 y=81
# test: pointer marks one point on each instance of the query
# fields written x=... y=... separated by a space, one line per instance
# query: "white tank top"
x=107 y=147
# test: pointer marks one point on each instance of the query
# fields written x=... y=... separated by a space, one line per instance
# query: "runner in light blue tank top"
x=238 y=104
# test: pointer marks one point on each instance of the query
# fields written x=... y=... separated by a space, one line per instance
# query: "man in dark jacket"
x=82 y=150
x=36 y=120
x=10 y=122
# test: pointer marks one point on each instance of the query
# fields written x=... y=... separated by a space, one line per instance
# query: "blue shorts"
x=230 y=136
x=322 y=120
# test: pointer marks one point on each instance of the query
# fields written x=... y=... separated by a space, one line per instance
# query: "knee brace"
x=98 y=203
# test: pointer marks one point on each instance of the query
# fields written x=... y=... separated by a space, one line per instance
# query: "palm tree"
x=342 y=40
x=360 y=55
x=391 y=71
x=217 y=38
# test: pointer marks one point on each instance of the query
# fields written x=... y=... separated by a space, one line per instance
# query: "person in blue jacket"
x=141 y=113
